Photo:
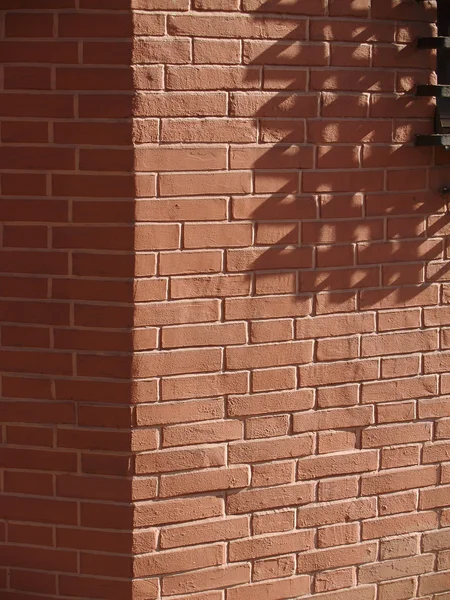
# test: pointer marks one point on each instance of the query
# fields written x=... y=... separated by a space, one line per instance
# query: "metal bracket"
x=433 y=43
x=440 y=91
x=435 y=139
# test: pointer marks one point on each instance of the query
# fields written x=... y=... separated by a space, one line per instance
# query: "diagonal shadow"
x=334 y=205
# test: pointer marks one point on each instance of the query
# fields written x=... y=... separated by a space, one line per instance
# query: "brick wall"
x=226 y=343
x=66 y=304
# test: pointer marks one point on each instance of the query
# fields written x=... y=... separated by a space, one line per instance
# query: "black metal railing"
x=441 y=91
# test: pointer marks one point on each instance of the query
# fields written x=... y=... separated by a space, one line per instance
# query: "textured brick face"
x=224 y=303
x=66 y=302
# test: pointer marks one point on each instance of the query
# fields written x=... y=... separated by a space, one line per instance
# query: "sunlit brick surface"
x=224 y=302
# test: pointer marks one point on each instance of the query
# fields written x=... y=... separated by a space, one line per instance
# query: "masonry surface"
x=224 y=302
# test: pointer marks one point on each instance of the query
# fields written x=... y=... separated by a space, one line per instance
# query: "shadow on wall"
x=343 y=202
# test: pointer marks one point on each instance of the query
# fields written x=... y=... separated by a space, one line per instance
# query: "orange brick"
x=354 y=554
x=274 y=568
x=200 y=533
x=277 y=497
x=273 y=473
x=270 y=546
x=270 y=522
x=204 y=481
x=337 y=464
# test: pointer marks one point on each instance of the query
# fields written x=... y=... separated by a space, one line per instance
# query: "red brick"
x=325 y=326
x=190 y=262
x=399 y=389
x=336 y=441
x=199 y=533
x=285 y=106
x=177 y=362
x=338 y=535
x=283 y=588
x=165 y=461
x=176 y=313
x=216 y=51
x=236 y=26
x=171 y=561
x=285 y=53
x=80 y=585
x=265 y=380
x=273 y=521
x=388 y=435
x=202 y=433
x=398 y=524
x=273 y=568
x=402 y=589
x=334 y=580
x=400 y=456
x=401 y=479
x=209 y=286
x=176 y=511
x=208 y=130
x=180 y=104
x=400 y=366
x=176 y=412
x=35 y=483
x=332 y=419
x=434 y=497
x=395 y=569
x=345 y=395
x=398 y=503
x=337 y=464
x=265 y=427
x=273 y=473
x=37 y=412
x=399 y=343
x=406 y=545
x=261 y=355
x=270 y=403
x=39 y=510
x=338 y=372
x=255 y=547
x=208 y=579
x=437 y=582
x=327 y=513
x=202 y=386
x=396 y=412
x=203 y=481
x=265 y=450
x=277 y=497
x=27 y=558
x=354 y=554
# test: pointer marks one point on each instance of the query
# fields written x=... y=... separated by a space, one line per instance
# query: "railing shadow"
x=334 y=206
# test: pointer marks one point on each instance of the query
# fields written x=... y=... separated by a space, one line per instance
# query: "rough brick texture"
x=225 y=303
x=66 y=301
